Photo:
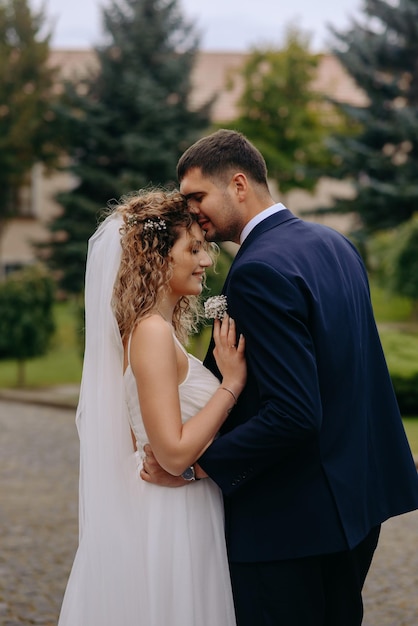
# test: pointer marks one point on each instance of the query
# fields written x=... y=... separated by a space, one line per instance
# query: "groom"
x=314 y=456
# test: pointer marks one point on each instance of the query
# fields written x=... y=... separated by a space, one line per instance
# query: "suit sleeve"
x=273 y=313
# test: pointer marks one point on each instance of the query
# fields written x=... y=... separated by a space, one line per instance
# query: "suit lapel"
x=270 y=222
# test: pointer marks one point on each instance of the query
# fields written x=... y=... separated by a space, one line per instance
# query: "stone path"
x=38 y=526
x=38 y=511
x=390 y=594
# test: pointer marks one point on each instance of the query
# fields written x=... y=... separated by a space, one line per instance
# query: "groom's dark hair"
x=219 y=153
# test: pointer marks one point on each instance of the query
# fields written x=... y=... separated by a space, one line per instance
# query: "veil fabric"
x=106 y=575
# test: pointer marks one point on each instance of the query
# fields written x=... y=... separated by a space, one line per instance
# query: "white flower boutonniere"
x=216 y=307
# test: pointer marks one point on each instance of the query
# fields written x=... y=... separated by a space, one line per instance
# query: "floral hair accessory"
x=131 y=219
x=150 y=224
x=154 y=224
x=216 y=307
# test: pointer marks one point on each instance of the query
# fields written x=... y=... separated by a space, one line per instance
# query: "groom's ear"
x=240 y=185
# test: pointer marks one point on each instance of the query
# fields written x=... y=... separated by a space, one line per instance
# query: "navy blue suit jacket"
x=314 y=455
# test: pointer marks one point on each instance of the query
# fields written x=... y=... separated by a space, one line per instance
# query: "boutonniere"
x=216 y=307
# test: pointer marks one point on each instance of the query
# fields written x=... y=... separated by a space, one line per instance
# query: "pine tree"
x=129 y=122
x=380 y=53
x=28 y=132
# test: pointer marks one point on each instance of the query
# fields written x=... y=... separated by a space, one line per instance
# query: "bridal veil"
x=104 y=584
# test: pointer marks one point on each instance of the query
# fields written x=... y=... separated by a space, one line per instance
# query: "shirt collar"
x=275 y=208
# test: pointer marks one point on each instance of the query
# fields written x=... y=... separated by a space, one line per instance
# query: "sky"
x=224 y=25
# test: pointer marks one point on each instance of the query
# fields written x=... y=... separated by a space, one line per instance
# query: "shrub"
x=26 y=316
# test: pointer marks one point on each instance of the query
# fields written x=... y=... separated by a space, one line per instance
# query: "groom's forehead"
x=194 y=183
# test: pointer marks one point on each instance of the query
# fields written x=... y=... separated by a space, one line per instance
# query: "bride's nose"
x=206 y=261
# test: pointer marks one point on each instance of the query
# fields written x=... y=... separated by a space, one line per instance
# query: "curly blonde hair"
x=153 y=221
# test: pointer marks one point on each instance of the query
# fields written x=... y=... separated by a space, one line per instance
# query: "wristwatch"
x=189 y=474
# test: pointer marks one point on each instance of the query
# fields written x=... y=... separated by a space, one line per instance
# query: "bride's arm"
x=154 y=364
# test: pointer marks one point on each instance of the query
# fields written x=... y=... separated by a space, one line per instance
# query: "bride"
x=149 y=555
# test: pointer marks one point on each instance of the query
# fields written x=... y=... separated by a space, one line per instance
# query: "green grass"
x=401 y=351
x=62 y=364
x=411 y=428
x=388 y=307
x=398 y=332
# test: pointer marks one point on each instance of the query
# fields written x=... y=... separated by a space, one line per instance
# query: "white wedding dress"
x=147 y=555
x=179 y=575
x=187 y=568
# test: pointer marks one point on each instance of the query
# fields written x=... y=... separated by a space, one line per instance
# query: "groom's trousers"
x=322 y=590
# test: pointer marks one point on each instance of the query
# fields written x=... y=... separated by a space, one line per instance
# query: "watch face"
x=188 y=474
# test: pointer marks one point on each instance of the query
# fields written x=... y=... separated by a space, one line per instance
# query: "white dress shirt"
x=275 y=208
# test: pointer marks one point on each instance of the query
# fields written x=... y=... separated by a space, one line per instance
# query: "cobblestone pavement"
x=38 y=526
x=38 y=511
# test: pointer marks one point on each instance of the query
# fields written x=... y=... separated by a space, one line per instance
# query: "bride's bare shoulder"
x=152 y=325
x=152 y=342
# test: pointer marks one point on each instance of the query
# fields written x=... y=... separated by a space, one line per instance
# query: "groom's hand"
x=152 y=472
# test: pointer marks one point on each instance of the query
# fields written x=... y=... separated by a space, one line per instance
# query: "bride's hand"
x=230 y=355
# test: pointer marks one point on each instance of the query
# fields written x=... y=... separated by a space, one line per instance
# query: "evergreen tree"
x=283 y=116
x=128 y=122
x=380 y=53
x=28 y=132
